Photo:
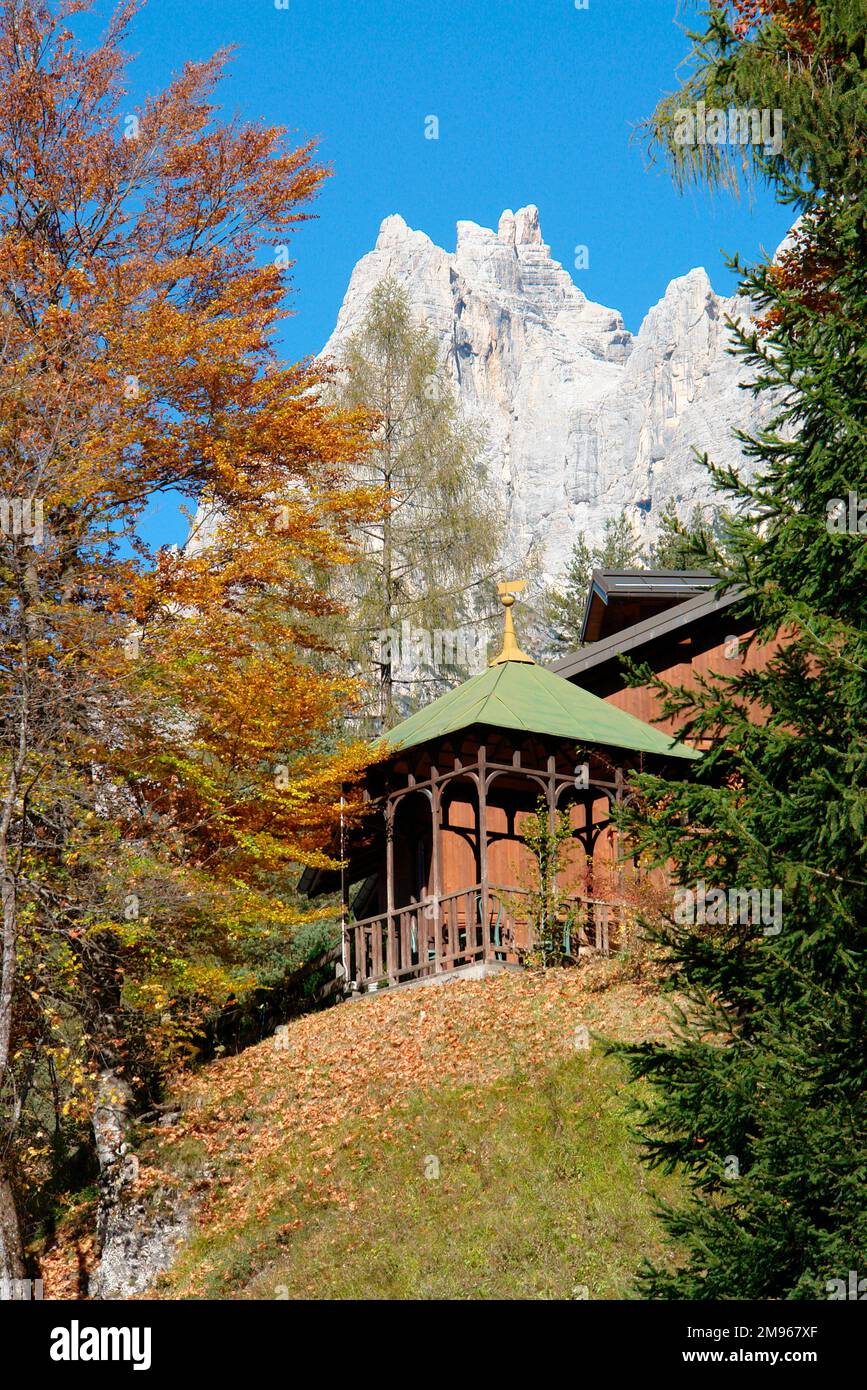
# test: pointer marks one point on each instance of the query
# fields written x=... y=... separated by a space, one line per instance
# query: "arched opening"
x=413 y=849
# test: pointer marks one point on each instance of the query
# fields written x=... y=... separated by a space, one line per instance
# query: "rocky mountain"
x=584 y=420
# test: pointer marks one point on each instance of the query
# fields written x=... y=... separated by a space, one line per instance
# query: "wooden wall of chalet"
x=680 y=662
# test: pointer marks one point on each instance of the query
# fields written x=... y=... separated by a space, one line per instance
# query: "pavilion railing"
x=438 y=935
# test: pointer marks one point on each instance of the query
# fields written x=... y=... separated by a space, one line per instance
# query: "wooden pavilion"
x=435 y=879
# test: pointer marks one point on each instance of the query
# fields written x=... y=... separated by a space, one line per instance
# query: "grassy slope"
x=321 y=1157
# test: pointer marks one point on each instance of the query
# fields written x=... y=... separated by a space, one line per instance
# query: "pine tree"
x=679 y=545
x=761 y=1102
x=619 y=549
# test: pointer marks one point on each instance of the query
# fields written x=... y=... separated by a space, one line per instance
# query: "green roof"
x=520 y=695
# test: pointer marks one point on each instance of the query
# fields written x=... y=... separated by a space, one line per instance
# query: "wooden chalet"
x=669 y=620
x=435 y=878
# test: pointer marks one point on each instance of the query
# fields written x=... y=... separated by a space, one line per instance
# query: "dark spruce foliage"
x=761 y=1102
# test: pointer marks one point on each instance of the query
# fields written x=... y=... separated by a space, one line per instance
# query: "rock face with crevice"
x=142 y=1237
x=584 y=420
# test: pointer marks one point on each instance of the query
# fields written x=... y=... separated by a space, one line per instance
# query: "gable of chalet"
x=682 y=640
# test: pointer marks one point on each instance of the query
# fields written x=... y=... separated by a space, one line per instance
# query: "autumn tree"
x=428 y=561
x=168 y=740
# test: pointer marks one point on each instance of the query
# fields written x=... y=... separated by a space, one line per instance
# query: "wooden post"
x=392 y=948
x=621 y=868
x=436 y=867
x=390 y=809
x=483 y=852
x=454 y=930
x=552 y=821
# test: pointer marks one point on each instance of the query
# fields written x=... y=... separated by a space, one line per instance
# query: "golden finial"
x=511 y=651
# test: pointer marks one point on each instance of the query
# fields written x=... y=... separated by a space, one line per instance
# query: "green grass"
x=539 y=1195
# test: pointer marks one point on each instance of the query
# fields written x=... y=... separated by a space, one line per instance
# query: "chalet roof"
x=520 y=695
x=631 y=639
x=619 y=598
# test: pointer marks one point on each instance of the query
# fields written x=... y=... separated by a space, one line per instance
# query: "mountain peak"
x=393 y=229
x=520 y=228
x=583 y=421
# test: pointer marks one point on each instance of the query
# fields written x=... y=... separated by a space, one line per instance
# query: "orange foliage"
x=143 y=271
x=799 y=19
x=802 y=273
x=171 y=724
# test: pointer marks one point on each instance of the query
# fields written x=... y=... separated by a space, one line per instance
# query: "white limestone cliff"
x=583 y=420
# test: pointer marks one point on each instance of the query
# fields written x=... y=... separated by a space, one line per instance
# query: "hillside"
x=458 y=1142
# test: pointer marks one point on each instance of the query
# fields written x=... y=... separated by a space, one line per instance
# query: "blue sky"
x=536 y=102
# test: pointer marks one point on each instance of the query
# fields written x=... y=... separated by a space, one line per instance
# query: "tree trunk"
x=11 y=1242
x=8 y=961
x=117 y=1168
x=11 y=1239
x=386 y=688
